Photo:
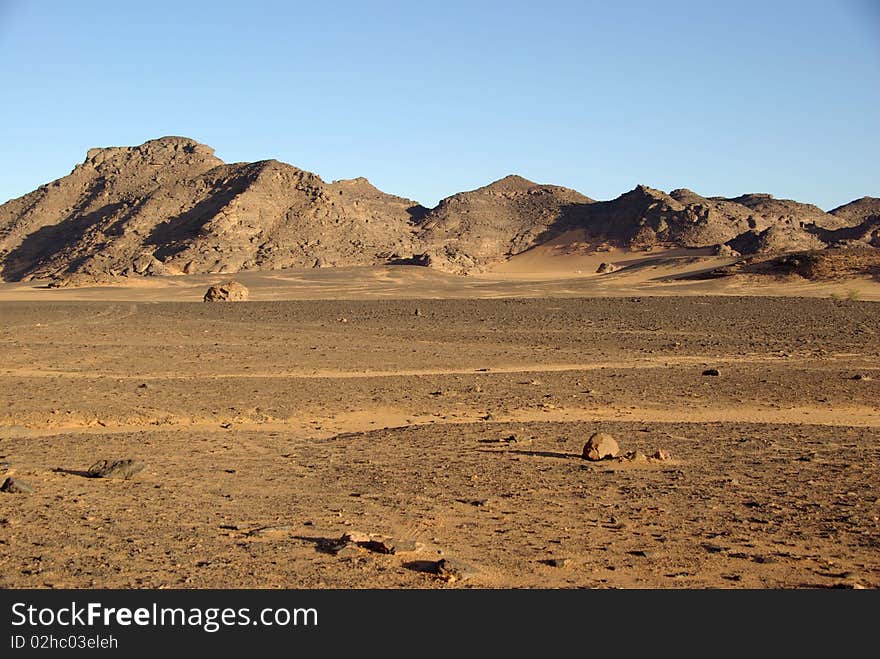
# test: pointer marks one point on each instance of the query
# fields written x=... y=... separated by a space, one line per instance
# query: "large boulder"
x=230 y=291
x=600 y=446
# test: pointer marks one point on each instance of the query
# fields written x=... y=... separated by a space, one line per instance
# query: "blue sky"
x=427 y=99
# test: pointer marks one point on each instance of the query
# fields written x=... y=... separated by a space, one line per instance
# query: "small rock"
x=556 y=562
x=635 y=456
x=725 y=250
x=379 y=545
x=117 y=469
x=600 y=446
x=605 y=268
x=861 y=376
x=332 y=545
x=474 y=502
x=376 y=543
x=13 y=486
x=660 y=454
x=230 y=291
x=711 y=371
x=405 y=545
x=418 y=312
x=5 y=466
x=356 y=537
x=347 y=551
x=451 y=569
x=764 y=559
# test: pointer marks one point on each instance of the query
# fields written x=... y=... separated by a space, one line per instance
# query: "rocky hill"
x=169 y=206
x=470 y=230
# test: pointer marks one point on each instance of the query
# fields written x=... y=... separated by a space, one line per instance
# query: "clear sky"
x=431 y=98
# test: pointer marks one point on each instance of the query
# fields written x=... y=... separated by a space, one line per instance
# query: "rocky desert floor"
x=446 y=429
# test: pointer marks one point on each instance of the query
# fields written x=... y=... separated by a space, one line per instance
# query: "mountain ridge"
x=170 y=206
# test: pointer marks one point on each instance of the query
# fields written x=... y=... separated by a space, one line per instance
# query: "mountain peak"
x=157 y=150
x=510 y=183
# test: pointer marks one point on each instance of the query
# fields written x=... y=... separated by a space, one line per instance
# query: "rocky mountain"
x=170 y=206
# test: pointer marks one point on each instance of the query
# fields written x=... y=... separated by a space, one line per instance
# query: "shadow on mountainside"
x=173 y=235
x=52 y=240
x=592 y=217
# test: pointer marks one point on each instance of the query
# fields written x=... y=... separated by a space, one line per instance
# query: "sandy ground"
x=453 y=426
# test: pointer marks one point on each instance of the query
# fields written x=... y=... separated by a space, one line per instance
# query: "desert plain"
x=430 y=416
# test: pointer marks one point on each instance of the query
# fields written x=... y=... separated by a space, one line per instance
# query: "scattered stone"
x=230 y=291
x=556 y=562
x=14 y=486
x=418 y=312
x=5 y=466
x=605 y=268
x=660 y=454
x=117 y=469
x=600 y=446
x=641 y=553
x=861 y=376
x=711 y=371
